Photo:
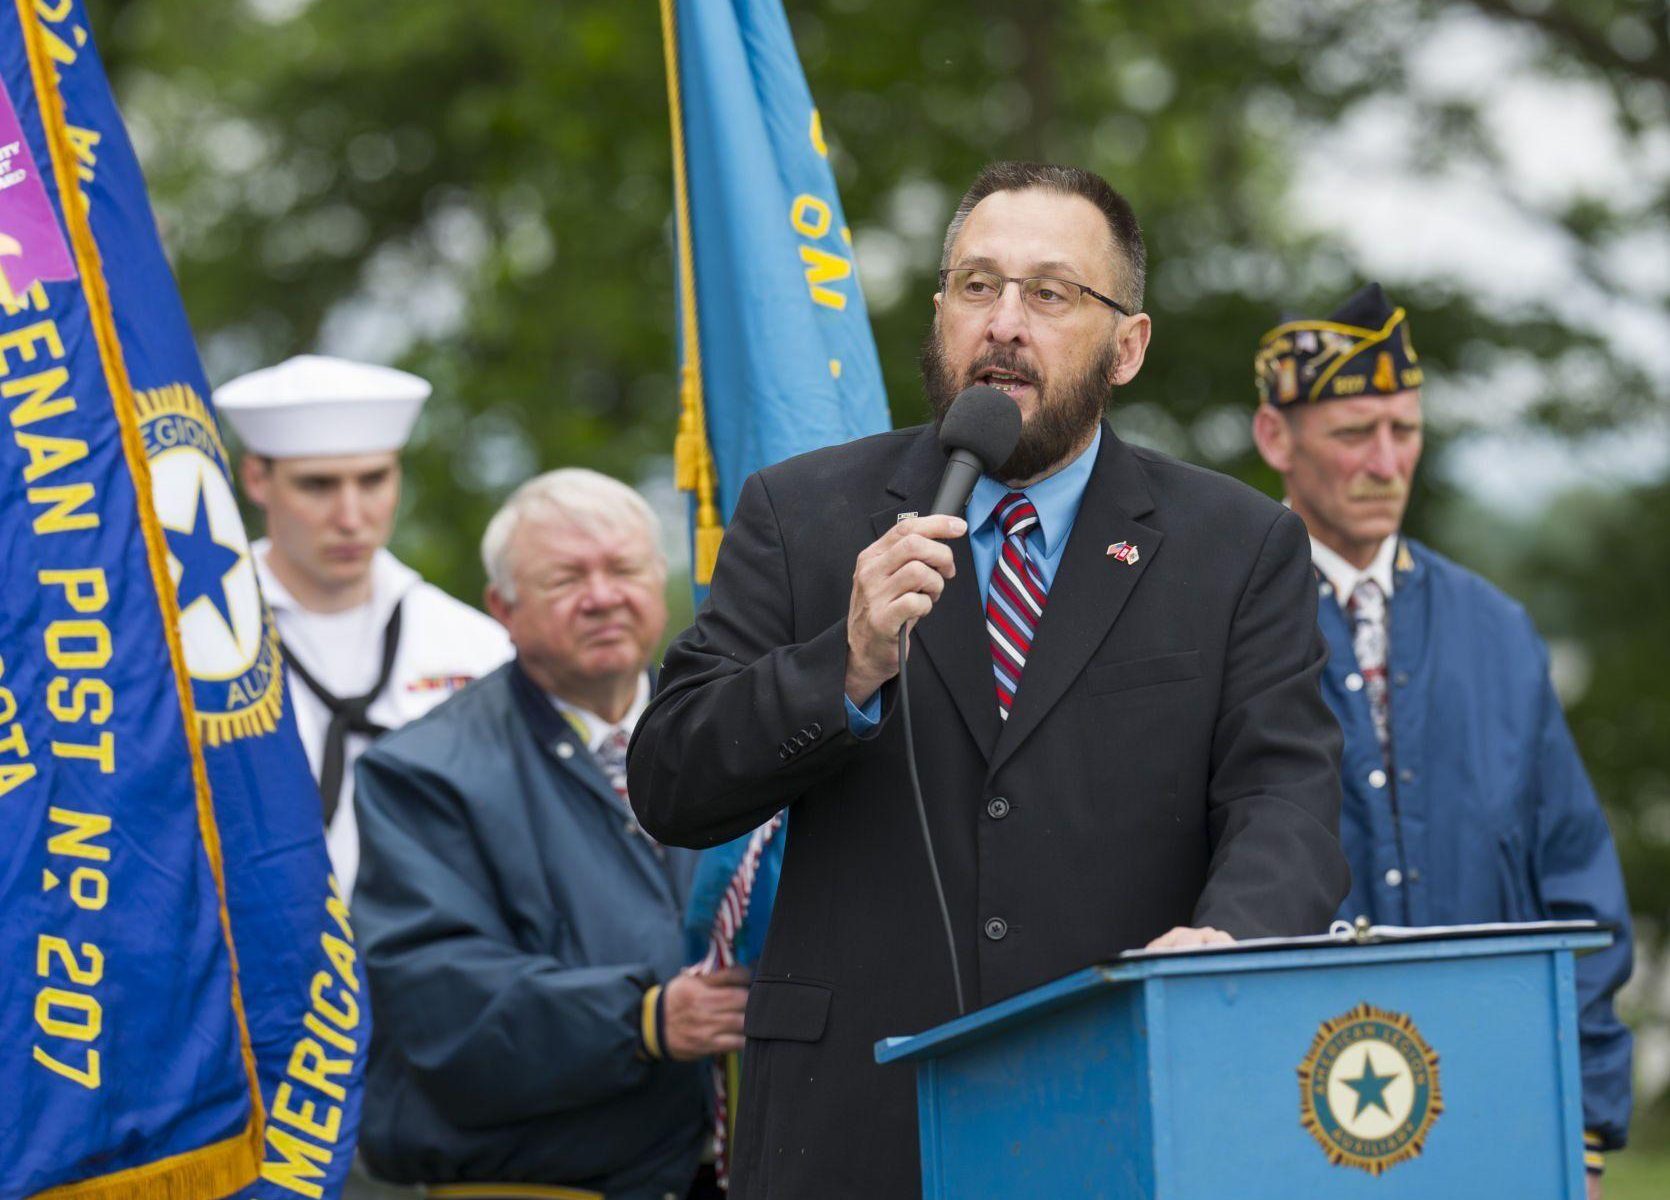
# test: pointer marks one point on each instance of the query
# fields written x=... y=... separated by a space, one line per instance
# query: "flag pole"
x=692 y=456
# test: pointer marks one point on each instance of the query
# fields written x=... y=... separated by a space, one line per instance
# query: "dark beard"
x=1066 y=412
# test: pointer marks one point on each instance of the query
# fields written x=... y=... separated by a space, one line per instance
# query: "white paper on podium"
x=1343 y=933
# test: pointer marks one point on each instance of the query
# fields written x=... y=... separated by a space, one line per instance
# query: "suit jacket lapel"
x=953 y=636
x=1089 y=590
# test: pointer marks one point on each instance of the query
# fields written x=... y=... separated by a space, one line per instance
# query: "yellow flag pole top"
x=692 y=456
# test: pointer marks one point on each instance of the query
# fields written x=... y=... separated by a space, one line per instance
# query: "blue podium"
x=1431 y=1067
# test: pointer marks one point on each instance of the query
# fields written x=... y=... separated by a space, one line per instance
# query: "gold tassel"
x=707 y=552
x=689 y=444
x=709 y=528
x=687 y=450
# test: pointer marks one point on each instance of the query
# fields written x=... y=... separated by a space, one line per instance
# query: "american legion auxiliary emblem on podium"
x=1368 y=1089
x=1430 y=1063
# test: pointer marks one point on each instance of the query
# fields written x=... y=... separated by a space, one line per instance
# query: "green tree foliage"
x=481 y=193
x=1608 y=590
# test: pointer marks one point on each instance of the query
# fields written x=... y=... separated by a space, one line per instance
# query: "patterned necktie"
x=611 y=756
x=1015 y=599
x=1368 y=638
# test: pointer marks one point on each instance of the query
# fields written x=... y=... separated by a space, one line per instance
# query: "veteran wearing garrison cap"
x=368 y=644
x=1465 y=800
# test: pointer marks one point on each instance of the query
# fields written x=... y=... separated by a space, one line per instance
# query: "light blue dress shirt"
x=1057 y=500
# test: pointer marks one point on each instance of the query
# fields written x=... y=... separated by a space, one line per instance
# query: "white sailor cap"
x=313 y=406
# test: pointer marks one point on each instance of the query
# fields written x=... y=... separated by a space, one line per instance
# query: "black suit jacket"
x=1168 y=761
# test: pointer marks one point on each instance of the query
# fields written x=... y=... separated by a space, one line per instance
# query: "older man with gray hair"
x=533 y=1024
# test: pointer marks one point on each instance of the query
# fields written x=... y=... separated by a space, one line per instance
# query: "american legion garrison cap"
x=1362 y=349
x=314 y=406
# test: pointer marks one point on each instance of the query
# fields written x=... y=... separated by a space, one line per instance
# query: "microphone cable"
x=922 y=818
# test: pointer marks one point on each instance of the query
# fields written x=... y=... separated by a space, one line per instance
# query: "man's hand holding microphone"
x=895 y=583
x=899 y=576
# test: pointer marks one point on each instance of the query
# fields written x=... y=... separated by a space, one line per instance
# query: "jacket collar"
x=567 y=751
x=1345 y=578
x=557 y=735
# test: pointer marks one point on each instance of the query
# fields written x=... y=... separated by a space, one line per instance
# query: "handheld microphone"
x=979 y=433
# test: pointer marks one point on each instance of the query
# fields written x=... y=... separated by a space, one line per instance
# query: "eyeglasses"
x=1042 y=294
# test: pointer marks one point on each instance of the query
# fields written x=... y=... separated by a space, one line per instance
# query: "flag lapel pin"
x=1125 y=552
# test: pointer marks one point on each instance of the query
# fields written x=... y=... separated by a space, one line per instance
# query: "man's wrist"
x=861 y=685
x=860 y=688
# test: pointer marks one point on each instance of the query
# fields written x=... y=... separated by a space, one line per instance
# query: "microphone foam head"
x=984 y=422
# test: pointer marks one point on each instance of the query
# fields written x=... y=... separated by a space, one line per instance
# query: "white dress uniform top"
x=443 y=644
x=374 y=667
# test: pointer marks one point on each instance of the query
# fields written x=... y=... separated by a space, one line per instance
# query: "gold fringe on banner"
x=211 y=1171
x=693 y=468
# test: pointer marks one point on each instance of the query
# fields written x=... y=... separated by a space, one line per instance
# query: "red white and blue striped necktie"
x=1015 y=599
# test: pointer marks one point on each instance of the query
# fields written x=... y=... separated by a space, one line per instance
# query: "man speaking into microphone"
x=1113 y=679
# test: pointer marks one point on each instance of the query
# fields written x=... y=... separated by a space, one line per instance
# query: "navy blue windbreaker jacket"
x=1488 y=814
x=512 y=917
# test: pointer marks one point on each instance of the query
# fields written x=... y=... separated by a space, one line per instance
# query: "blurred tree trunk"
x=1039 y=70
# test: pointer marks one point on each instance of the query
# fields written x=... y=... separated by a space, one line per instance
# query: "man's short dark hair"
x=1132 y=272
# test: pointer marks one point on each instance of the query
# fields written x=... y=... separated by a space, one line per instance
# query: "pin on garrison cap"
x=313 y=406
x=1362 y=349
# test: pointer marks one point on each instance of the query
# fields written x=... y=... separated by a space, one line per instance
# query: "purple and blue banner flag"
x=777 y=357
x=182 y=1012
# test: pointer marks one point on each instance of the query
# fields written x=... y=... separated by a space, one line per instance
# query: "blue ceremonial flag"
x=777 y=357
x=181 y=1008
x=777 y=354
x=777 y=349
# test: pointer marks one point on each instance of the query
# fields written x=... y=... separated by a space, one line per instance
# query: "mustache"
x=1377 y=489
x=1000 y=360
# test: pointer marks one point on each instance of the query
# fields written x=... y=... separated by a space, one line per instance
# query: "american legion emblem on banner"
x=1368 y=1089
x=229 y=637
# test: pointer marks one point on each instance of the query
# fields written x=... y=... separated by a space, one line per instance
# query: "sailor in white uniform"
x=368 y=644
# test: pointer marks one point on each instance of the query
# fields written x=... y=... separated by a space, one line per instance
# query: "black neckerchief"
x=347 y=714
